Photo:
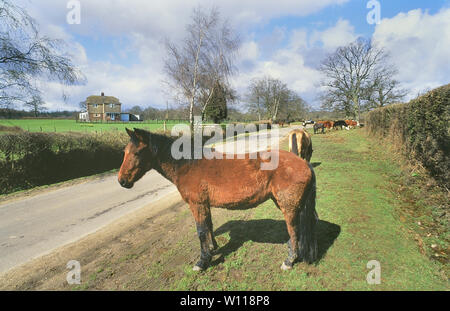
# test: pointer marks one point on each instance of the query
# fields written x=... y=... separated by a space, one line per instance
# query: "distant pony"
x=318 y=126
x=300 y=144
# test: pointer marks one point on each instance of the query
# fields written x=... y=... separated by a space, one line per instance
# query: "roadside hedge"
x=421 y=127
x=33 y=159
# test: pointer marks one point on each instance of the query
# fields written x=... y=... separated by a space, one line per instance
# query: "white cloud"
x=339 y=35
x=154 y=18
x=296 y=64
x=419 y=45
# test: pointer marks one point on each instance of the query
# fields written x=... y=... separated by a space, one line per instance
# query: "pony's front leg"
x=202 y=216
x=211 y=240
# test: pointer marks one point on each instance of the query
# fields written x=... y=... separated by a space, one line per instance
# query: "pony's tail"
x=294 y=144
x=307 y=236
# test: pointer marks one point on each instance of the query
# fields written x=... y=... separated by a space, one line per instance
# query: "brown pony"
x=230 y=183
x=300 y=144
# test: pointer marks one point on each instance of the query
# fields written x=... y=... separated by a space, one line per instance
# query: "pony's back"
x=300 y=144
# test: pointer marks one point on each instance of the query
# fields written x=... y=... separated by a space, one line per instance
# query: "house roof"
x=96 y=99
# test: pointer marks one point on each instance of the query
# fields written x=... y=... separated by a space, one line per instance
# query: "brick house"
x=102 y=108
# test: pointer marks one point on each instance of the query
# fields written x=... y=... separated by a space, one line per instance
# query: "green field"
x=55 y=125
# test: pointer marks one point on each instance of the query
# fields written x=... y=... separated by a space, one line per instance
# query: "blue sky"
x=355 y=11
x=118 y=45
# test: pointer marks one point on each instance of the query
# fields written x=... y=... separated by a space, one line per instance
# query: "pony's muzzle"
x=124 y=183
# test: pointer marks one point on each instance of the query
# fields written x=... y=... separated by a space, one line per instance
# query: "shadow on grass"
x=270 y=231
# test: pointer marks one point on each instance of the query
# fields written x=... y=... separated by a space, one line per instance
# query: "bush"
x=422 y=127
x=33 y=159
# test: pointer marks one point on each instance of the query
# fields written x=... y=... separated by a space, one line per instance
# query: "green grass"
x=359 y=223
x=55 y=125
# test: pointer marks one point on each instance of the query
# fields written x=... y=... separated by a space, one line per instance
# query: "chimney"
x=103 y=94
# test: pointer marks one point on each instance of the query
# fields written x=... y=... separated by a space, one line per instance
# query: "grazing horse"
x=318 y=126
x=231 y=183
x=281 y=123
x=300 y=144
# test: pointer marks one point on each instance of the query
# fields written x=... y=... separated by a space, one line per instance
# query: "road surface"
x=36 y=225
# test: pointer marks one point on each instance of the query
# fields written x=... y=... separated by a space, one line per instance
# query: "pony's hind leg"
x=202 y=216
x=291 y=218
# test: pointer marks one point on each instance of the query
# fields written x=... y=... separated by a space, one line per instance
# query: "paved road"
x=33 y=226
x=256 y=141
x=36 y=225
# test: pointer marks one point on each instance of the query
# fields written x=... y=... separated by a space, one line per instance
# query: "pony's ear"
x=142 y=135
x=132 y=135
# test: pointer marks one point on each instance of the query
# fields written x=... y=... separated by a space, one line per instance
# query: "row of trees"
x=270 y=98
x=181 y=112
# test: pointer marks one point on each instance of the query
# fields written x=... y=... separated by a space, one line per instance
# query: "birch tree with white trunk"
x=203 y=59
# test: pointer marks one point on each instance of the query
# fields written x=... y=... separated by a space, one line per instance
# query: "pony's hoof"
x=285 y=267
x=201 y=265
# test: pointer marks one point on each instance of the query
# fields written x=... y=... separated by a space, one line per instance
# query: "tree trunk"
x=206 y=104
x=275 y=114
x=191 y=115
x=259 y=110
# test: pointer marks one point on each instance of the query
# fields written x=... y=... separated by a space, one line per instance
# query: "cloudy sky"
x=119 y=44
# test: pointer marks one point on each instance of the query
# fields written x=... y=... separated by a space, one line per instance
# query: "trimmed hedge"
x=33 y=159
x=422 y=127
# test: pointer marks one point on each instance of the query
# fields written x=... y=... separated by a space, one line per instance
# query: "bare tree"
x=295 y=108
x=338 y=101
x=278 y=94
x=202 y=61
x=25 y=56
x=254 y=97
x=271 y=97
x=36 y=104
x=383 y=89
x=349 y=72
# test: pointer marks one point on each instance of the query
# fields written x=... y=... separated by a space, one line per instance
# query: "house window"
x=97 y=115
x=111 y=105
x=95 y=105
